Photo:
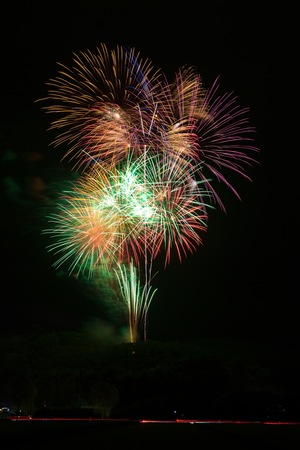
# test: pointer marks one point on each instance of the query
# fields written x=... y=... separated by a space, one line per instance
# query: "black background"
x=243 y=282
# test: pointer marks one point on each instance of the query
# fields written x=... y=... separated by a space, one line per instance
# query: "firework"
x=99 y=102
x=118 y=214
x=151 y=153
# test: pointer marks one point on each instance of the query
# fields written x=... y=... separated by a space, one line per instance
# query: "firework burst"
x=98 y=102
x=120 y=213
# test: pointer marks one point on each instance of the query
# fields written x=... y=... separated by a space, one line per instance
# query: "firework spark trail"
x=150 y=152
x=137 y=298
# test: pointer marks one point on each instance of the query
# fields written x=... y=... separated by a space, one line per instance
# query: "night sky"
x=243 y=282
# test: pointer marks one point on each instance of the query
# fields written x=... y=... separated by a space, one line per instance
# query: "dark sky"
x=243 y=282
